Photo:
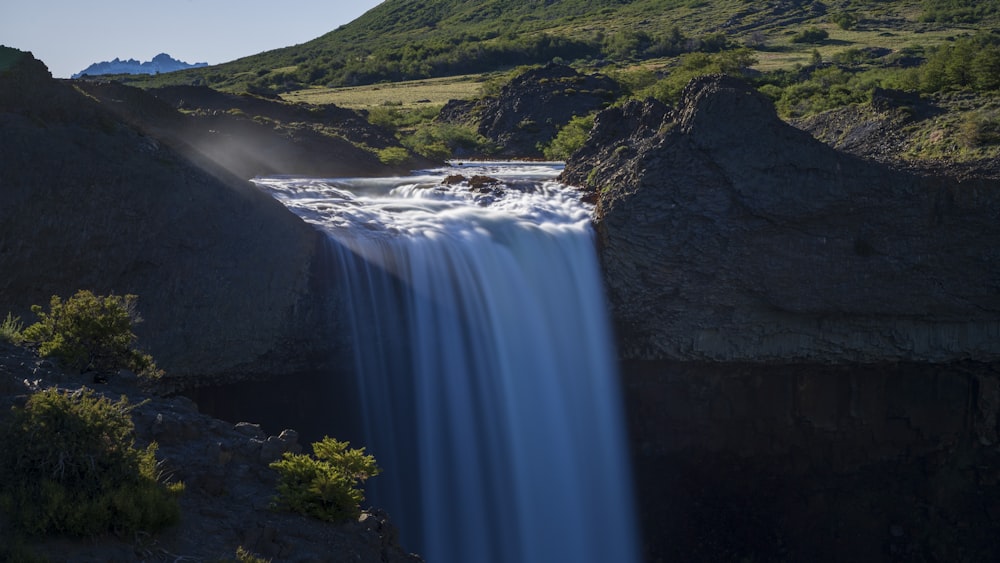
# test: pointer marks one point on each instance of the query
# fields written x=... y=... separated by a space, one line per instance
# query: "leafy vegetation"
x=443 y=140
x=971 y=62
x=327 y=484
x=692 y=65
x=69 y=466
x=570 y=138
x=88 y=332
x=405 y=40
x=958 y=11
x=811 y=35
x=10 y=329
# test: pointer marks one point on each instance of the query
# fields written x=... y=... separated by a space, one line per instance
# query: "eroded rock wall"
x=728 y=235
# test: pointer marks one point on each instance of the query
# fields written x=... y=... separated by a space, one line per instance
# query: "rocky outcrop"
x=811 y=339
x=529 y=111
x=228 y=486
x=726 y=234
x=224 y=273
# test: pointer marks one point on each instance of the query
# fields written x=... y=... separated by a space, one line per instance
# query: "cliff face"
x=729 y=235
x=811 y=339
x=222 y=270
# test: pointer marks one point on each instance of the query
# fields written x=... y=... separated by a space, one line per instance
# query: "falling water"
x=486 y=373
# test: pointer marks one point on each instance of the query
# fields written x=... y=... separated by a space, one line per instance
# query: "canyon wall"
x=810 y=340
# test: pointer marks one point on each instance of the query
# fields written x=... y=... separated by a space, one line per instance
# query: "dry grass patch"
x=409 y=94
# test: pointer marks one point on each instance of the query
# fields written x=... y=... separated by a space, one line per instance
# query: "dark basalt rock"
x=726 y=234
x=530 y=110
x=811 y=338
x=224 y=273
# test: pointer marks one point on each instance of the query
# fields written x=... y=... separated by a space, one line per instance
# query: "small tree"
x=326 y=486
x=90 y=333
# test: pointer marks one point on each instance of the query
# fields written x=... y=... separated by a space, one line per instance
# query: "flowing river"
x=486 y=371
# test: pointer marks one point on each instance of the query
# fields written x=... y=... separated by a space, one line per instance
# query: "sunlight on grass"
x=435 y=91
x=782 y=54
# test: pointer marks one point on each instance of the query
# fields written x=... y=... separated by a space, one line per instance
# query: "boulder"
x=728 y=235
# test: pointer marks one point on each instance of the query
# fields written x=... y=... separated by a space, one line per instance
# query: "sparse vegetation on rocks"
x=89 y=332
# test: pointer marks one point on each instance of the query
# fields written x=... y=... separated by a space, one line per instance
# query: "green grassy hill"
x=408 y=39
x=809 y=56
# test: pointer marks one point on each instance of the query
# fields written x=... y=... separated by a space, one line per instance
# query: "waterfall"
x=485 y=366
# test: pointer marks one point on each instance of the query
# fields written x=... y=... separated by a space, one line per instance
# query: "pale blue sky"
x=69 y=35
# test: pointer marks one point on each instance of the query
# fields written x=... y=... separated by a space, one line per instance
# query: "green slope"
x=408 y=39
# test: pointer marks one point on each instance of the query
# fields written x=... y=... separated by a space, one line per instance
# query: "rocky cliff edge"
x=728 y=235
x=224 y=273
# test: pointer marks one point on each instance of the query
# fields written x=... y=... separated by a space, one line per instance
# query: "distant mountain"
x=160 y=63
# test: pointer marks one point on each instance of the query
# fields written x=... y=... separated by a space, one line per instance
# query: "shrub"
x=845 y=20
x=10 y=329
x=244 y=555
x=326 y=486
x=393 y=156
x=69 y=466
x=810 y=35
x=570 y=138
x=980 y=129
x=444 y=140
x=89 y=332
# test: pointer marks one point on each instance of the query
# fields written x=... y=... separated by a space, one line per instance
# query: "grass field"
x=409 y=94
x=783 y=54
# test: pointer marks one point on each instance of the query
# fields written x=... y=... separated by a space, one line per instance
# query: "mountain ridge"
x=159 y=64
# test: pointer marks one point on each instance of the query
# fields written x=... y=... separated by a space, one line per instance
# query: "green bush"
x=10 y=329
x=810 y=35
x=89 y=332
x=979 y=129
x=845 y=20
x=69 y=466
x=444 y=140
x=326 y=486
x=570 y=138
x=969 y=63
x=393 y=156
